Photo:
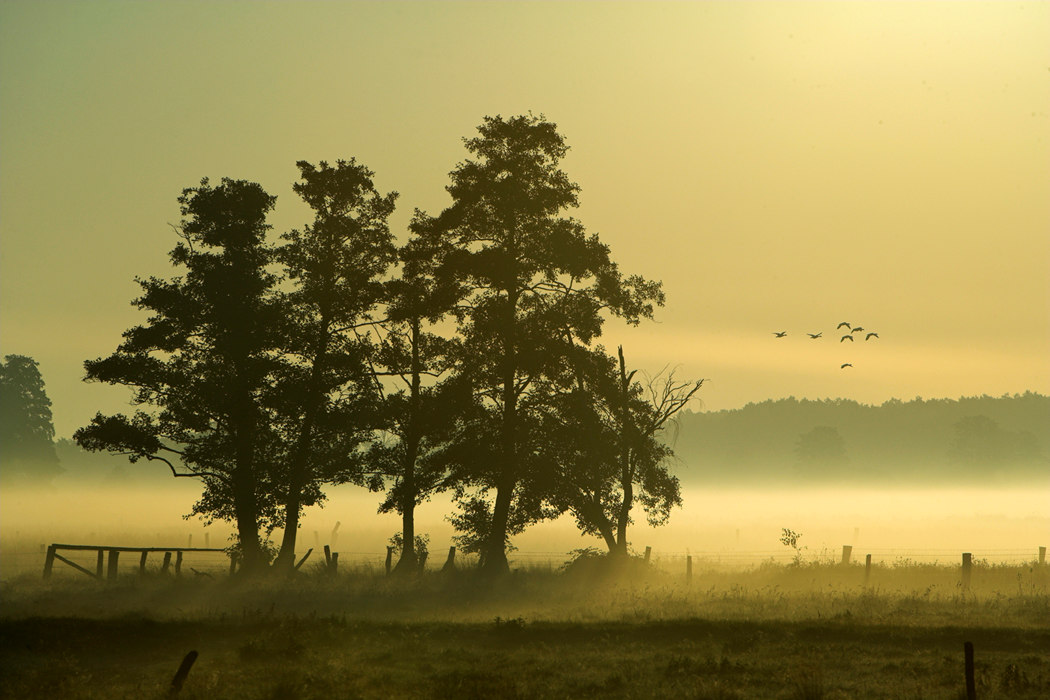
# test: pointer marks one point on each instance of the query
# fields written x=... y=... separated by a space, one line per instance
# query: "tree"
x=421 y=415
x=821 y=451
x=524 y=274
x=201 y=364
x=325 y=403
x=26 y=431
x=980 y=442
x=605 y=434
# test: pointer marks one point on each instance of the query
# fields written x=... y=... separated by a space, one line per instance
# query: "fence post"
x=113 y=558
x=303 y=560
x=49 y=561
x=971 y=684
x=333 y=568
x=867 y=569
x=335 y=533
x=1042 y=555
x=648 y=553
x=389 y=558
x=688 y=569
x=167 y=563
x=184 y=670
x=142 y=563
x=450 y=563
x=327 y=558
x=98 y=564
x=967 y=570
x=847 y=551
x=178 y=563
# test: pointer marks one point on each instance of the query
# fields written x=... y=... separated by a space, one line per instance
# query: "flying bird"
x=841 y=325
x=845 y=366
x=858 y=329
x=814 y=335
x=871 y=335
x=780 y=334
x=846 y=337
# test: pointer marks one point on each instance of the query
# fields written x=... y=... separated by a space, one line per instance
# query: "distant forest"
x=981 y=439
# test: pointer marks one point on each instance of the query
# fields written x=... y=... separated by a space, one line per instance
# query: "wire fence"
x=22 y=561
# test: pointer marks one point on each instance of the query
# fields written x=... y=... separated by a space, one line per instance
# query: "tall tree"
x=524 y=274
x=421 y=413
x=27 y=434
x=606 y=437
x=326 y=403
x=202 y=362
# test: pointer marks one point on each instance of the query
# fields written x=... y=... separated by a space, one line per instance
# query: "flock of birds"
x=849 y=336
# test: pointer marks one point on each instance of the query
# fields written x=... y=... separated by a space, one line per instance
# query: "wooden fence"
x=113 y=553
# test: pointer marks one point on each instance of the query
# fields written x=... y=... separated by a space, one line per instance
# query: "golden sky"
x=780 y=166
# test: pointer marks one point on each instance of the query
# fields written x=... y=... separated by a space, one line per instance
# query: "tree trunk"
x=297 y=475
x=494 y=556
x=407 y=563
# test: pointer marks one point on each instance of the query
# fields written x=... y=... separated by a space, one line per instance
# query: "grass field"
x=775 y=631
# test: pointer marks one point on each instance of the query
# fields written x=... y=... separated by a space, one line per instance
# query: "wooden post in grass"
x=303 y=560
x=333 y=568
x=114 y=556
x=450 y=563
x=184 y=670
x=967 y=570
x=98 y=564
x=648 y=553
x=867 y=569
x=389 y=559
x=847 y=551
x=166 y=564
x=688 y=569
x=335 y=533
x=971 y=684
x=49 y=561
x=327 y=558
x=142 y=563
x=1042 y=555
x=178 y=563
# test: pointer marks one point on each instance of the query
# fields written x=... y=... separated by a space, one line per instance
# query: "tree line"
x=974 y=439
x=465 y=359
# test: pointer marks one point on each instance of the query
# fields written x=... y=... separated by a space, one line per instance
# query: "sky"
x=779 y=166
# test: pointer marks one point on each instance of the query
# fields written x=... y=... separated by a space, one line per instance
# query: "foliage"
x=26 y=430
x=201 y=363
x=323 y=398
x=523 y=277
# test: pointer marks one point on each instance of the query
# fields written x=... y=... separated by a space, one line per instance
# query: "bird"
x=845 y=366
x=846 y=337
x=858 y=329
x=841 y=325
x=814 y=335
x=871 y=335
x=780 y=334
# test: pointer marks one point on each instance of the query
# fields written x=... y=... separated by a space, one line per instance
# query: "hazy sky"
x=779 y=166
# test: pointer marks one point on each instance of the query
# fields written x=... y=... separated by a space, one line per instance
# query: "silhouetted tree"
x=524 y=274
x=326 y=404
x=421 y=414
x=203 y=362
x=605 y=435
x=27 y=434
x=821 y=450
x=981 y=442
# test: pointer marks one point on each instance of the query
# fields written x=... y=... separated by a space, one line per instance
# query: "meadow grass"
x=775 y=631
